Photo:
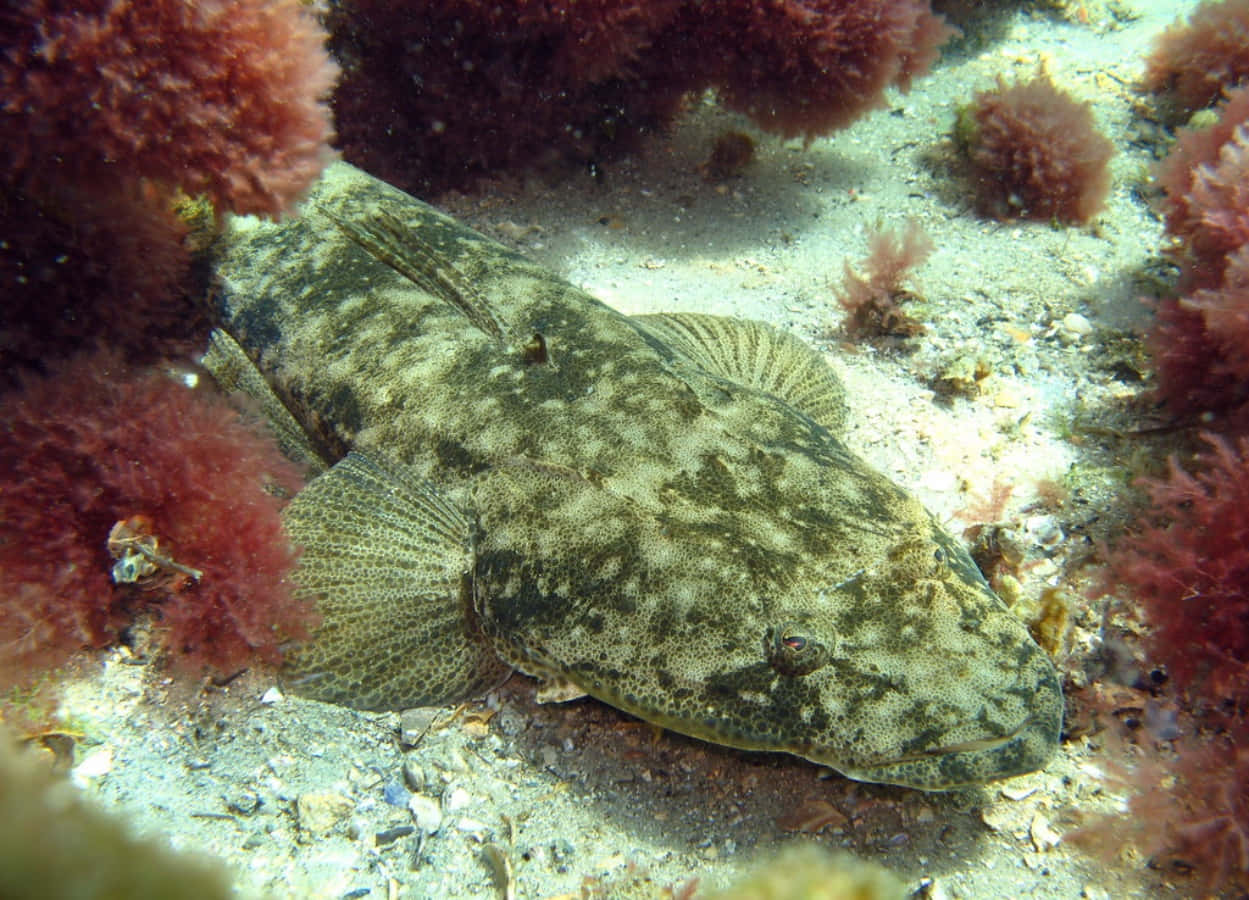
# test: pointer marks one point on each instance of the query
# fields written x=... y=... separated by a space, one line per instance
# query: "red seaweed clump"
x=812 y=67
x=1194 y=63
x=1187 y=559
x=1206 y=203
x=218 y=97
x=123 y=491
x=873 y=301
x=74 y=278
x=1200 y=340
x=1187 y=565
x=1035 y=153
x=1186 y=357
x=113 y=110
x=437 y=95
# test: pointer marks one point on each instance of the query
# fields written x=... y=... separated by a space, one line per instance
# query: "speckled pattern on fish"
x=657 y=511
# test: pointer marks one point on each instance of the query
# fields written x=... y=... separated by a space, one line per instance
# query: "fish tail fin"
x=388 y=561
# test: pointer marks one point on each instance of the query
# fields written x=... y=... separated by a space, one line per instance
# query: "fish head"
x=911 y=671
x=908 y=670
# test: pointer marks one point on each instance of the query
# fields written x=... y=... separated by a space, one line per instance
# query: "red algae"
x=593 y=79
x=97 y=444
x=1036 y=153
x=1200 y=340
x=1194 y=63
x=221 y=98
x=1187 y=564
x=873 y=301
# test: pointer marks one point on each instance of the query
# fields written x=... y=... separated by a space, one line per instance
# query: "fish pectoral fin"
x=558 y=690
x=756 y=355
x=234 y=372
x=388 y=561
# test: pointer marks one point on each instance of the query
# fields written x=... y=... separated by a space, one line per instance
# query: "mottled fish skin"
x=685 y=547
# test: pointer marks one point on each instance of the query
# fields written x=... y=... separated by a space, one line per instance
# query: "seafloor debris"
x=142 y=560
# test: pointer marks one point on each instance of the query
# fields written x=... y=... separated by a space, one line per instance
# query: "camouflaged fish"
x=653 y=510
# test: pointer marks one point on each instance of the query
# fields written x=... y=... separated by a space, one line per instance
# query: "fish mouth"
x=983 y=745
x=969 y=763
x=983 y=758
x=958 y=765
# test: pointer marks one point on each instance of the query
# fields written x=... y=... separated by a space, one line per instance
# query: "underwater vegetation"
x=111 y=112
x=220 y=98
x=1194 y=62
x=124 y=493
x=1035 y=153
x=1186 y=559
x=872 y=300
x=435 y=95
x=126 y=497
x=57 y=846
x=1201 y=339
x=92 y=248
x=1186 y=563
x=116 y=111
x=111 y=262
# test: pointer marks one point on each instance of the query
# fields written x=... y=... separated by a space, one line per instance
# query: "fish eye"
x=792 y=652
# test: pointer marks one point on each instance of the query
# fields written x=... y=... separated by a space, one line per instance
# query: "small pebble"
x=413 y=776
x=245 y=803
x=457 y=799
x=512 y=721
x=426 y=812
x=390 y=835
x=1073 y=329
x=1020 y=793
x=395 y=794
x=1043 y=836
x=1045 y=530
x=562 y=850
x=95 y=764
x=931 y=889
x=999 y=817
x=318 y=813
x=1076 y=324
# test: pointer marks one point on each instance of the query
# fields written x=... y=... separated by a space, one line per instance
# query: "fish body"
x=657 y=511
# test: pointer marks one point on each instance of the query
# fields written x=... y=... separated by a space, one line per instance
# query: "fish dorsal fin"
x=404 y=249
x=234 y=371
x=756 y=355
x=388 y=561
